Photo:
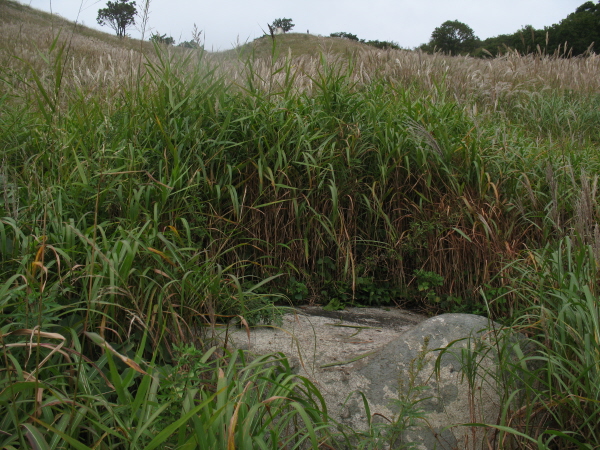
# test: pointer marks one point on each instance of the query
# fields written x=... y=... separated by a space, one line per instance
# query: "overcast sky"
x=407 y=22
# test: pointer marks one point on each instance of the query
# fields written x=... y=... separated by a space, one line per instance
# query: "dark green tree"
x=453 y=37
x=579 y=30
x=384 y=45
x=571 y=36
x=285 y=24
x=343 y=34
x=162 y=39
x=188 y=44
x=119 y=15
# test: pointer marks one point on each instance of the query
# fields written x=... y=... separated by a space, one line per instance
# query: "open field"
x=148 y=192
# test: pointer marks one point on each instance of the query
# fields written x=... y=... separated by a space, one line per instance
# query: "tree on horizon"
x=453 y=37
x=119 y=15
x=285 y=24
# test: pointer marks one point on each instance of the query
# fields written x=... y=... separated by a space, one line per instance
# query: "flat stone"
x=326 y=346
x=391 y=356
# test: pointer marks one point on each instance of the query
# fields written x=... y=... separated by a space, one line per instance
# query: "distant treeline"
x=376 y=43
x=577 y=34
x=574 y=35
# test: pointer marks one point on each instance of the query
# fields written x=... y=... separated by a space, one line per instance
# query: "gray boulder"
x=434 y=377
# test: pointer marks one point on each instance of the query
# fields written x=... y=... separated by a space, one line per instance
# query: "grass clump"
x=560 y=401
x=61 y=397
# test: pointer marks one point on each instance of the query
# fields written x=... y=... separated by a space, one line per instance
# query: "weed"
x=391 y=432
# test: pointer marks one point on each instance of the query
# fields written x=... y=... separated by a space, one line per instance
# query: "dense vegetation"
x=151 y=195
x=386 y=45
x=577 y=34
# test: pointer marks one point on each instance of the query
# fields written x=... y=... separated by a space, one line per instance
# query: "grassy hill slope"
x=18 y=20
x=33 y=41
x=298 y=44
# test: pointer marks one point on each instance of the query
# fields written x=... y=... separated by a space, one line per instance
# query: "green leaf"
x=78 y=445
x=501 y=428
x=20 y=386
x=169 y=430
x=35 y=438
x=342 y=363
x=462 y=234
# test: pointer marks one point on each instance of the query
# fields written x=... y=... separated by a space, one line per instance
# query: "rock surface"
x=408 y=369
x=391 y=355
x=319 y=345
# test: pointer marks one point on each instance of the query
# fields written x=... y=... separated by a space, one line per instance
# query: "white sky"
x=407 y=22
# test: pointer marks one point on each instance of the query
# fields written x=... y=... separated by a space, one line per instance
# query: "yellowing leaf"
x=162 y=255
x=173 y=229
x=99 y=340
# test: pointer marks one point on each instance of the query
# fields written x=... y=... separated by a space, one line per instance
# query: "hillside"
x=298 y=44
x=28 y=37
x=18 y=20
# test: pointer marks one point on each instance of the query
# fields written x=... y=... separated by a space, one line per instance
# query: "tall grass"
x=549 y=381
x=64 y=399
